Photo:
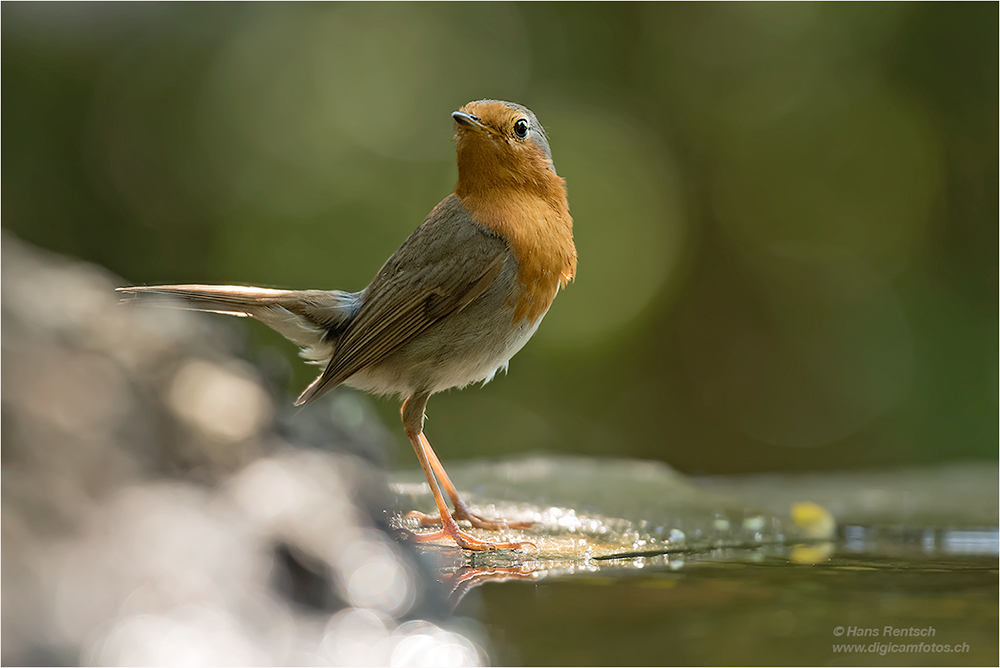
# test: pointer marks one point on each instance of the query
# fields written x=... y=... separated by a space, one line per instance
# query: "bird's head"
x=502 y=145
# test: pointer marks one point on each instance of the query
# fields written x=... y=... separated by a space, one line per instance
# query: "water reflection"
x=667 y=524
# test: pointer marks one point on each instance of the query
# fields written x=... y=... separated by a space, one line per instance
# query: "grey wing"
x=444 y=265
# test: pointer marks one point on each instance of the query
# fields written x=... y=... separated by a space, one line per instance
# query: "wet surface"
x=727 y=571
x=757 y=611
x=585 y=509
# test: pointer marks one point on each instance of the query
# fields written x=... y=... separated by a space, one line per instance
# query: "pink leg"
x=462 y=511
x=413 y=418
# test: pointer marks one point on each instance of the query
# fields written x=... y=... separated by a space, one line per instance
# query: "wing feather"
x=444 y=265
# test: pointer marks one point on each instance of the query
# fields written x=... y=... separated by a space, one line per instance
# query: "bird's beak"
x=468 y=120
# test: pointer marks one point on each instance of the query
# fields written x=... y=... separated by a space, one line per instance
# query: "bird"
x=462 y=294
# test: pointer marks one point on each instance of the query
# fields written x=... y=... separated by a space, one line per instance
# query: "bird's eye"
x=521 y=128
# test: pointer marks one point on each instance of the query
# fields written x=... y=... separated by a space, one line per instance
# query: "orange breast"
x=539 y=231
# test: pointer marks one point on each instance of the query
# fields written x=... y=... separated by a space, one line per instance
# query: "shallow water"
x=758 y=612
x=636 y=565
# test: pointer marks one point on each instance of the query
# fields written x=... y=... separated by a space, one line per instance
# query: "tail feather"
x=229 y=299
x=308 y=318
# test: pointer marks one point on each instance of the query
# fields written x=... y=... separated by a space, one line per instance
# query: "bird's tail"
x=309 y=318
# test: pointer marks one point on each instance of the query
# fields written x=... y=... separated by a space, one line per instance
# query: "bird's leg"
x=462 y=511
x=413 y=423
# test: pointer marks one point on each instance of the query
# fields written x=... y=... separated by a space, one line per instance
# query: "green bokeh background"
x=786 y=214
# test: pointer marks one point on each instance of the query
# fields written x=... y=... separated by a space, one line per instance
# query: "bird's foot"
x=449 y=529
x=463 y=513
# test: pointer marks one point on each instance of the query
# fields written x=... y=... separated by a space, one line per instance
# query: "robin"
x=459 y=298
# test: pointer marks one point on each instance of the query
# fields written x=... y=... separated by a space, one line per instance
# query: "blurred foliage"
x=786 y=214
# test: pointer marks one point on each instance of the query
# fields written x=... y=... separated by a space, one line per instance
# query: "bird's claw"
x=450 y=530
x=463 y=514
